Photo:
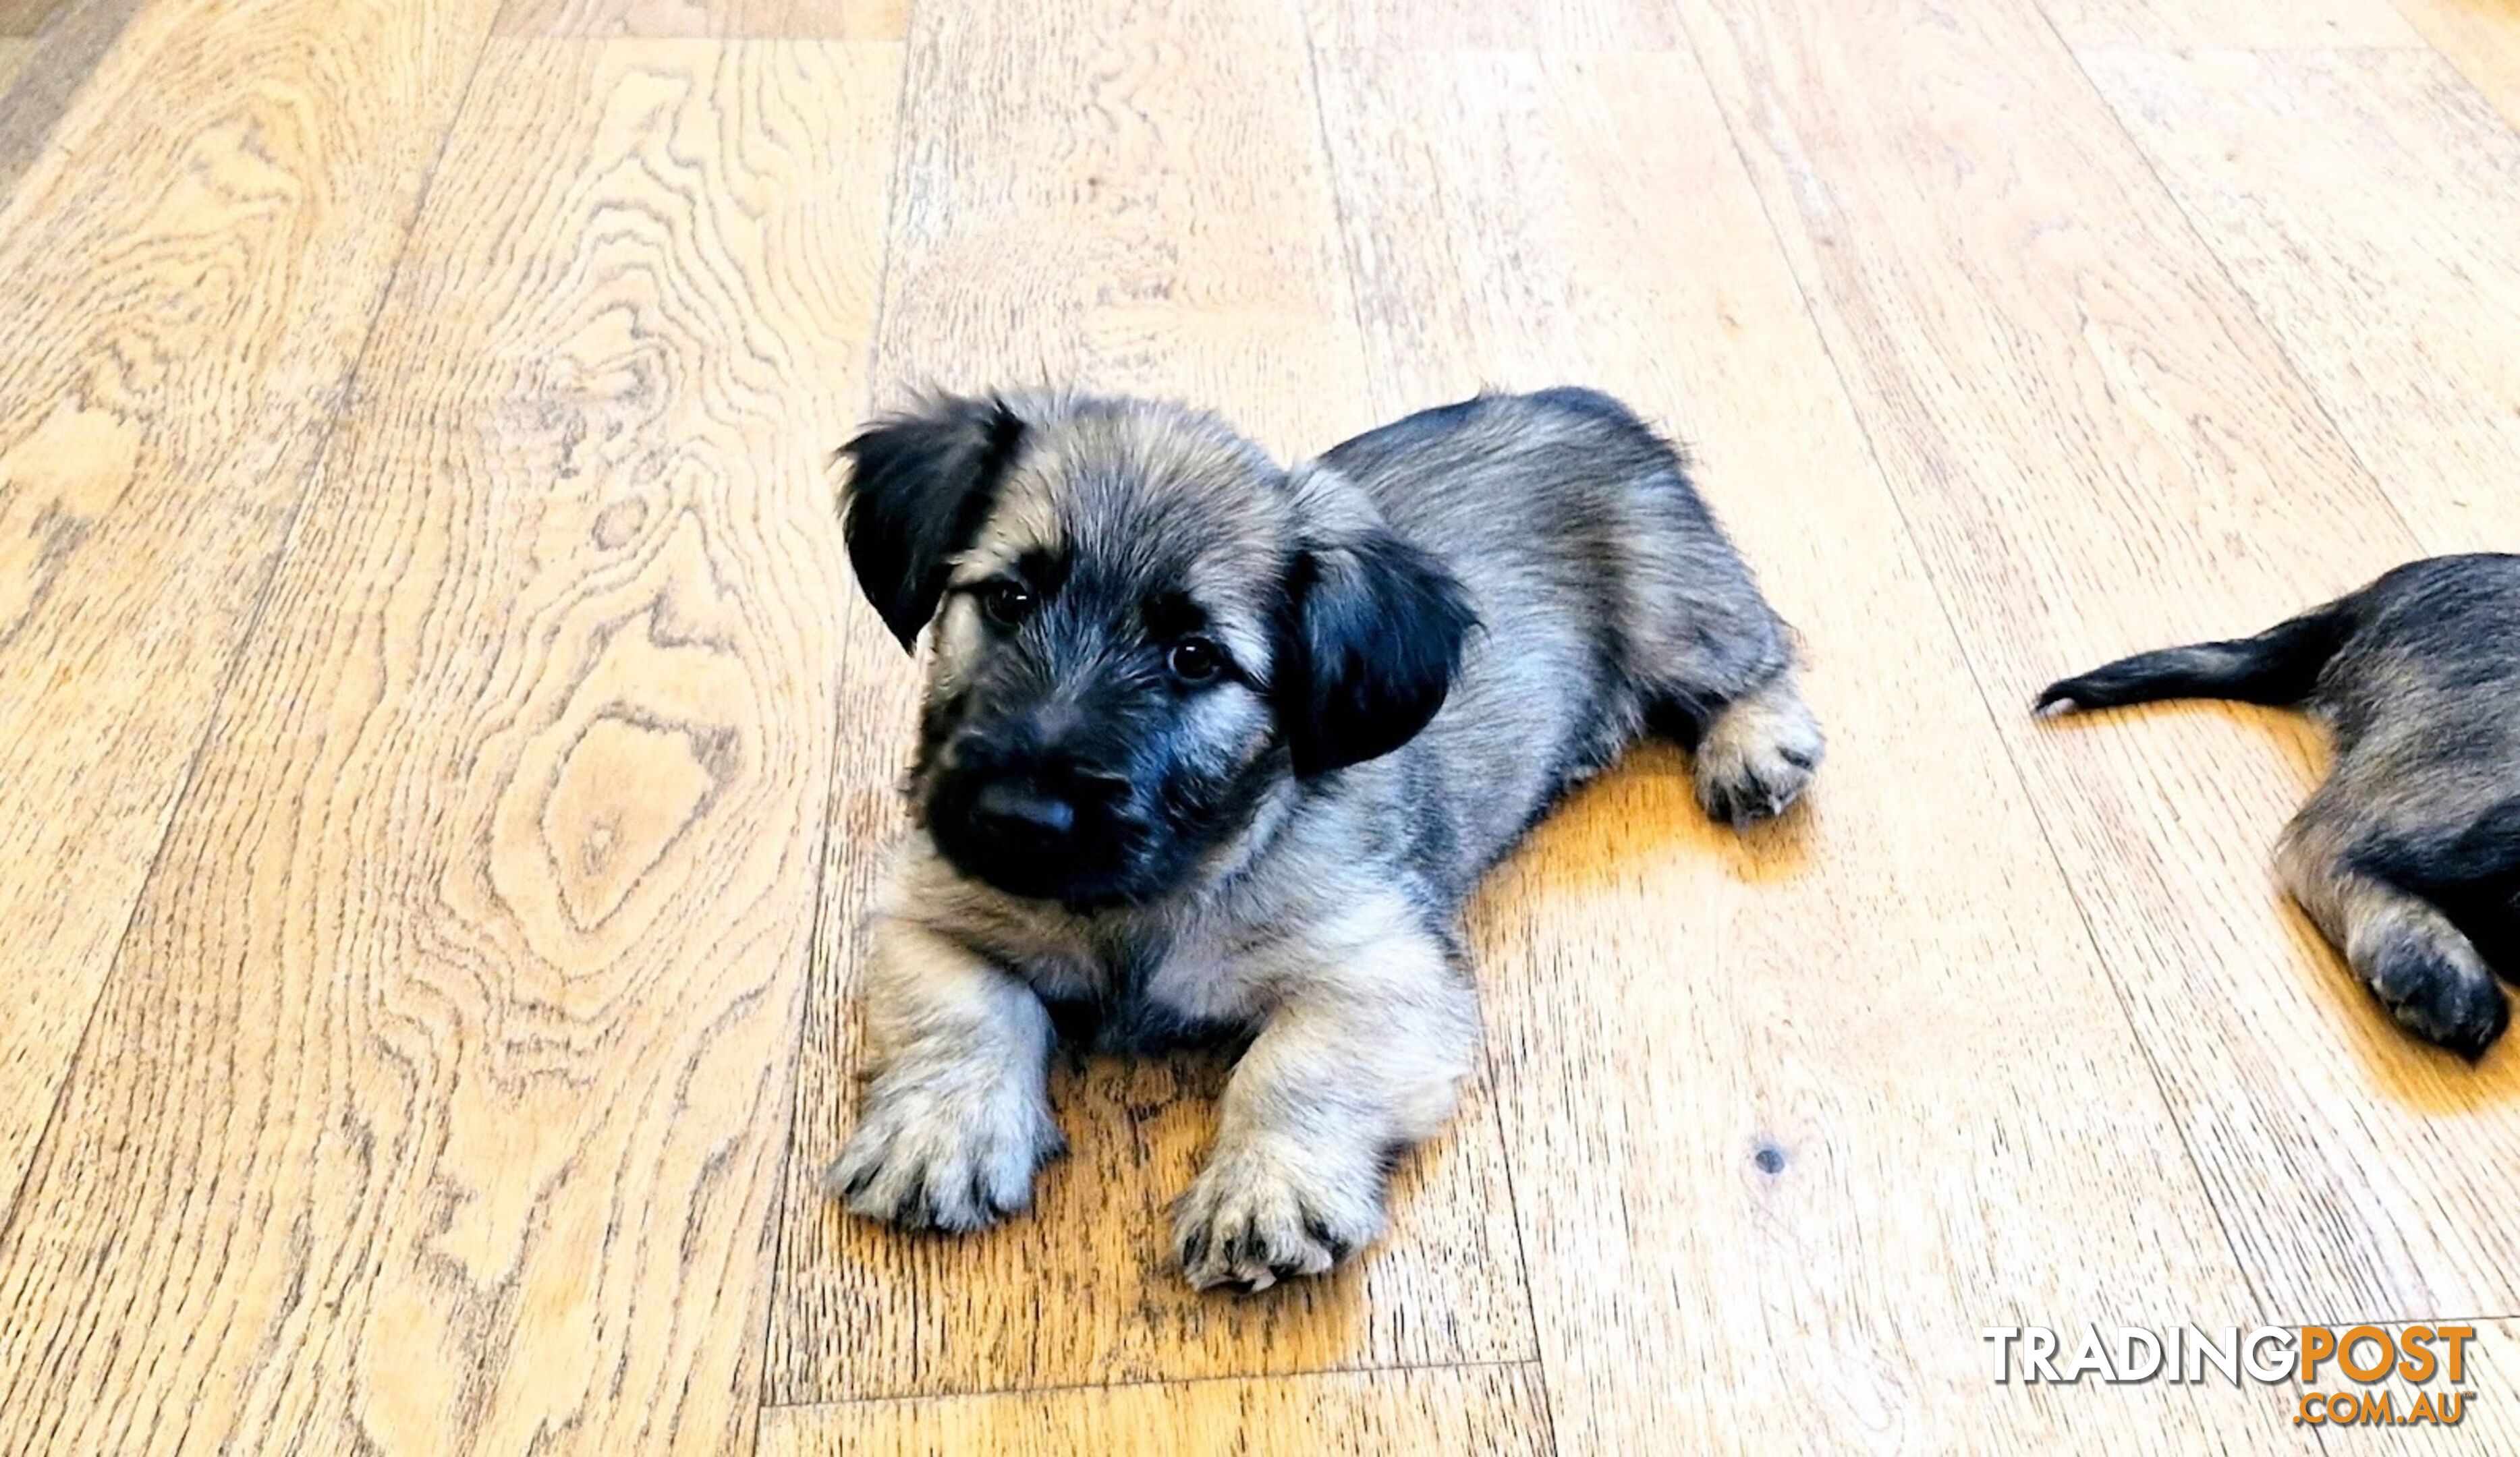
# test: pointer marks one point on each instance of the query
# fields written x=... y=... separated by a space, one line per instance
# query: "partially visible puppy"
x=2409 y=857
x=1214 y=749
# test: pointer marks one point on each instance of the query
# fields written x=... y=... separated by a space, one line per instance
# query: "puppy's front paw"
x=1259 y=1214
x=956 y=1160
x=1758 y=757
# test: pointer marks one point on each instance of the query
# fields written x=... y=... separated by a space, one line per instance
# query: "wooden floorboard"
x=2480 y=37
x=1125 y=197
x=178 y=344
x=2237 y=23
x=2369 y=202
x=1524 y=26
x=2103 y=448
x=723 y=19
x=1472 y=1411
x=438 y=1101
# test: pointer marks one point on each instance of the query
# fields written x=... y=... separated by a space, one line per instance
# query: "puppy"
x=2409 y=857
x=1213 y=749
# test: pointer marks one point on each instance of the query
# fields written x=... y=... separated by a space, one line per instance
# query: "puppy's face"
x=1142 y=630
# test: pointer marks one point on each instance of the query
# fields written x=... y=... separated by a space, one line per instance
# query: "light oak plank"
x=2482 y=38
x=1857 y=1081
x=2370 y=202
x=25 y=18
x=1469 y=1411
x=2101 y=448
x=13 y=55
x=438 y=1101
x=1121 y=196
x=192 y=265
x=2250 y=23
x=794 y=19
x=1527 y=25
x=66 y=47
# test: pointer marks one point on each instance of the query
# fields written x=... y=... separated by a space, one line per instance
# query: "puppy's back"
x=1594 y=566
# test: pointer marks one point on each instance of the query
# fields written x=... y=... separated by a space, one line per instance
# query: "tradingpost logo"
x=2338 y=1368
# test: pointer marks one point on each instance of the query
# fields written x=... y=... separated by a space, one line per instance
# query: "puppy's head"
x=1142 y=629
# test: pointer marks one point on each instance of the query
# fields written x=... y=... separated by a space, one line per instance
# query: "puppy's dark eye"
x=1195 y=659
x=1005 y=604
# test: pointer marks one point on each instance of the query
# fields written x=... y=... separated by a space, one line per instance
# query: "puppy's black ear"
x=1375 y=629
x=920 y=485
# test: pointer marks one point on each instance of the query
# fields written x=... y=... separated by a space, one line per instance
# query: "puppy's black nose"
x=1012 y=812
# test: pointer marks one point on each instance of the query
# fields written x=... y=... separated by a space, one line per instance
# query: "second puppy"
x=2409 y=857
x=1215 y=748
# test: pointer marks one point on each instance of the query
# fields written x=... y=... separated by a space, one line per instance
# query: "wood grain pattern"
x=2248 y=24
x=58 y=54
x=2370 y=202
x=2100 y=448
x=794 y=19
x=1527 y=25
x=1124 y=195
x=25 y=18
x=1470 y=1411
x=438 y=1100
x=176 y=348
x=1670 y=1005
x=2482 y=38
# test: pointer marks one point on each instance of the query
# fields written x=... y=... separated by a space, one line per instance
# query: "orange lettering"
x=2358 y=1336
x=2456 y=1337
x=2415 y=1360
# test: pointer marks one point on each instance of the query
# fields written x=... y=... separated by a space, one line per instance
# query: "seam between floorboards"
x=1058 y=1389
x=823 y=876
x=2205 y=243
x=2492 y=103
x=2318 y=402
x=1340 y=219
x=238 y=652
x=1968 y=663
x=25 y=133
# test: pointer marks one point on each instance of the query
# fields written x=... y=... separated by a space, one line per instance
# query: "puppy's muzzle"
x=1016 y=815
x=1030 y=817
x=1041 y=803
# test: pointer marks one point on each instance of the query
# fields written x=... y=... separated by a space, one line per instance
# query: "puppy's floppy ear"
x=1374 y=629
x=920 y=484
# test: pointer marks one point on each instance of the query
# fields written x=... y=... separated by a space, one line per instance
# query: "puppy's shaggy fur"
x=2409 y=857
x=1215 y=749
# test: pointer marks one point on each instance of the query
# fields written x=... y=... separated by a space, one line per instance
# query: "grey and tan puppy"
x=2409 y=857
x=1214 y=749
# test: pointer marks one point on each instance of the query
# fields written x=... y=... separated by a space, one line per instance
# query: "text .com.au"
x=2338 y=1368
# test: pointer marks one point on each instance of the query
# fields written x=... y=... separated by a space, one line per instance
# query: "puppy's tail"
x=2279 y=666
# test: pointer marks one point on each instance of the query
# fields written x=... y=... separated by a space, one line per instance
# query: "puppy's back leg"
x=1758 y=753
x=2404 y=946
x=1712 y=665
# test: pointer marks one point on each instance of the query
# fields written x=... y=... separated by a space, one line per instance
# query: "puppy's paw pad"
x=950 y=1161
x=1251 y=1220
x=2439 y=996
x=1756 y=760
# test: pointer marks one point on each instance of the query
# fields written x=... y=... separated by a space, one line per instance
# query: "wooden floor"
x=442 y=755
